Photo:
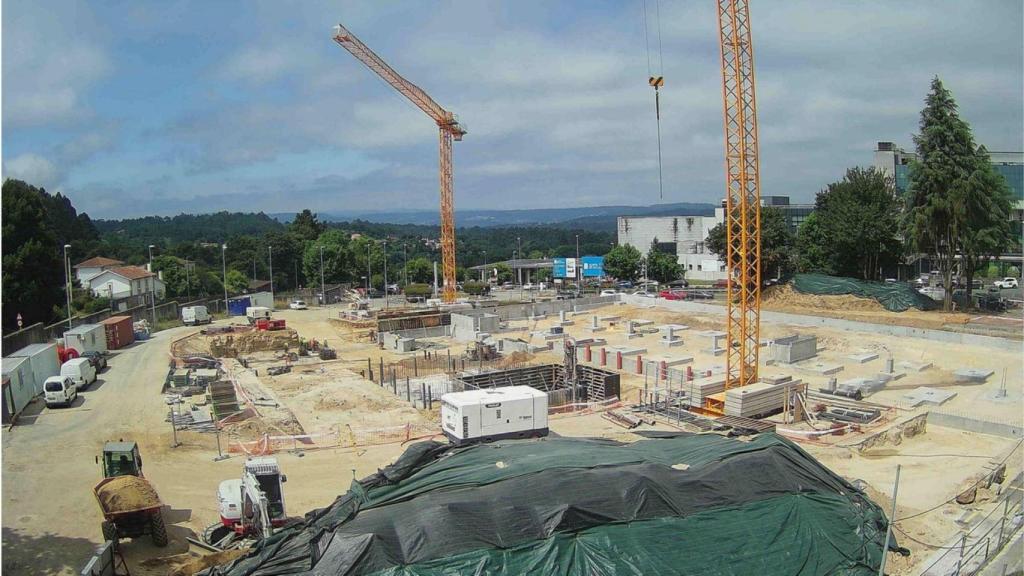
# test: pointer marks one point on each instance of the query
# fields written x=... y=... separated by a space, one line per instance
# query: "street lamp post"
x=579 y=273
x=369 y=271
x=67 y=281
x=323 y=289
x=270 y=262
x=224 y=265
x=483 y=269
x=386 y=298
x=152 y=292
x=519 y=252
x=405 y=254
x=188 y=284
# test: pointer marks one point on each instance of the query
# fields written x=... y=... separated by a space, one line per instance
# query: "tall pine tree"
x=986 y=213
x=936 y=219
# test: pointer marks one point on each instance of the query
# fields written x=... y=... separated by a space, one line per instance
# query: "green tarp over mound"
x=691 y=504
x=896 y=297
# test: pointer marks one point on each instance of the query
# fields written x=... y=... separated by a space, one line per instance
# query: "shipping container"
x=264 y=299
x=87 y=338
x=237 y=305
x=494 y=413
x=118 y=331
x=18 y=388
x=44 y=361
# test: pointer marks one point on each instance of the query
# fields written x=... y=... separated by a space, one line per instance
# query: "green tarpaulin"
x=896 y=296
x=690 y=504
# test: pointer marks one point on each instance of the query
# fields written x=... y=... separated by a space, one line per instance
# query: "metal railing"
x=985 y=539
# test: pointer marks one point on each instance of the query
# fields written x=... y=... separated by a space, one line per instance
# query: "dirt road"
x=51 y=522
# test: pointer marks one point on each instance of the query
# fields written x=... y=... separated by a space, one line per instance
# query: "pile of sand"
x=257 y=427
x=190 y=563
x=231 y=345
x=785 y=296
x=513 y=359
x=127 y=494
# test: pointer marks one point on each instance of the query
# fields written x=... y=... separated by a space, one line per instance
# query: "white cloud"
x=50 y=59
x=33 y=169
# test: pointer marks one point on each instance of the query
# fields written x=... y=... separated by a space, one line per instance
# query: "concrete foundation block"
x=863 y=358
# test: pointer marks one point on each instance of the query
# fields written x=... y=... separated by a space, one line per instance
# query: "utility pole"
x=152 y=291
x=67 y=281
x=270 y=262
x=224 y=264
x=405 y=253
x=483 y=266
x=323 y=290
x=188 y=284
x=369 y=271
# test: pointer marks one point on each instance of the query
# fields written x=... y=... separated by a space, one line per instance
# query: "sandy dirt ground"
x=51 y=521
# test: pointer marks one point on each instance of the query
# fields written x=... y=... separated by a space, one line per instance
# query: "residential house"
x=124 y=281
x=93 y=266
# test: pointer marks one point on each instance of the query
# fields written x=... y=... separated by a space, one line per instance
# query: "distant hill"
x=587 y=218
x=215 y=227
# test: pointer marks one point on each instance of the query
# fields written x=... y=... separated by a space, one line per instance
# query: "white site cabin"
x=493 y=414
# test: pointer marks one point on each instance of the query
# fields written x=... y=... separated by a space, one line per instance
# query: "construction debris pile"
x=678 y=504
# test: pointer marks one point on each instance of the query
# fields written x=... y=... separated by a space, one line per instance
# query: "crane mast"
x=450 y=129
x=743 y=197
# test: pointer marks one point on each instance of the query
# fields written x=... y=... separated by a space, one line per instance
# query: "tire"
x=157 y=529
x=109 y=531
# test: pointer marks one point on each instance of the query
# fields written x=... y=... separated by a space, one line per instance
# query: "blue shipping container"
x=237 y=306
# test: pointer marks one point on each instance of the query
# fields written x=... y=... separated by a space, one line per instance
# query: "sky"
x=134 y=107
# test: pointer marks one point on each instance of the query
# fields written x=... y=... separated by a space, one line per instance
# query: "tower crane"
x=450 y=129
x=742 y=199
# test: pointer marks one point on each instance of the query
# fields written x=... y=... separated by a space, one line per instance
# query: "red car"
x=672 y=294
x=721 y=284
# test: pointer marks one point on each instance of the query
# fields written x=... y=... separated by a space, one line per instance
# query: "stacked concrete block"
x=755 y=400
x=793 y=349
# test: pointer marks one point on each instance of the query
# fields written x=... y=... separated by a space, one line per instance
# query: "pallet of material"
x=755 y=399
x=180 y=378
x=204 y=376
x=699 y=389
x=223 y=399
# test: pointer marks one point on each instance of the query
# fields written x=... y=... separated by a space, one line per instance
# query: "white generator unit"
x=493 y=414
x=254 y=313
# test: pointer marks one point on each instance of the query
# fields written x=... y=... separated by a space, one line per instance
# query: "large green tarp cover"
x=691 y=504
x=896 y=297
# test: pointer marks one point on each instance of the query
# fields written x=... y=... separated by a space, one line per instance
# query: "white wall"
x=688 y=233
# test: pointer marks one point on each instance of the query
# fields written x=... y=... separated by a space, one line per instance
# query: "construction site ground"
x=51 y=522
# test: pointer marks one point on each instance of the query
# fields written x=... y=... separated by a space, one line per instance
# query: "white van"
x=59 y=391
x=80 y=371
x=254 y=313
x=194 y=315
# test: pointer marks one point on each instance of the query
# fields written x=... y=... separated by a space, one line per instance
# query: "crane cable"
x=656 y=82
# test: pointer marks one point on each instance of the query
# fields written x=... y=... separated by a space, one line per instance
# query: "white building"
x=682 y=235
x=124 y=281
x=93 y=266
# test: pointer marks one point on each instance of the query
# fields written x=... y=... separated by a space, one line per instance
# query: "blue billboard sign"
x=593 y=266
x=564 y=268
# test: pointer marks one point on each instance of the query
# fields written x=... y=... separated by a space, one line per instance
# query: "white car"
x=1008 y=282
x=59 y=391
x=608 y=292
x=528 y=286
x=297 y=305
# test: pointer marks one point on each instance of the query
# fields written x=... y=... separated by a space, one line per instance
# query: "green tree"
x=987 y=216
x=776 y=242
x=504 y=272
x=305 y=226
x=421 y=271
x=939 y=217
x=237 y=282
x=663 y=267
x=331 y=249
x=623 y=262
x=855 y=227
x=33 y=270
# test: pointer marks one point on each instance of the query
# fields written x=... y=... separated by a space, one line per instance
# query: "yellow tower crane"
x=450 y=129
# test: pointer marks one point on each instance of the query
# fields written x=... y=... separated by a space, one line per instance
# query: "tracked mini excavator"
x=251 y=507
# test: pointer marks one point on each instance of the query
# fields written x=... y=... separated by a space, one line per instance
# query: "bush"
x=476 y=288
x=423 y=290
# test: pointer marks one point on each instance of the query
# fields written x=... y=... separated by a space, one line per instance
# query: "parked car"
x=625 y=285
x=723 y=284
x=700 y=295
x=682 y=283
x=528 y=286
x=672 y=294
x=59 y=391
x=393 y=289
x=609 y=292
x=80 y=371
x=1008 y=282
x=645 y=294
x=96 y=358
x=566 y=295
x=298 y=305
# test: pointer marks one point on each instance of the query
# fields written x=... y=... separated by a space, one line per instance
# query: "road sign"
x=19 y=319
